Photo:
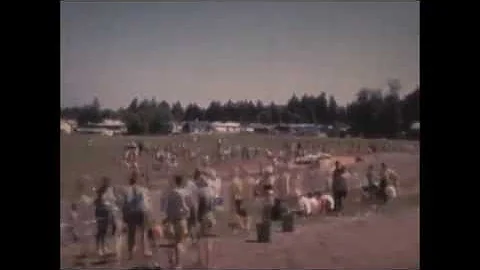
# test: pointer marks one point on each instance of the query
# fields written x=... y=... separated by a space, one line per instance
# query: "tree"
x=321 y=108
x=133 y=105
x=411 y=108
x=274 y=113
x=214 y=111
x=392 y=110
x=160 y=121
x=178 y=112
x=193 y=112
x=90 y=113
x=265 y=117
x=332 y=110
x=372 y=113
x=134 y=123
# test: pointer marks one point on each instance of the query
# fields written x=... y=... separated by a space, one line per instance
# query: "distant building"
x=247 y=129
x=107 y=127
x=260 y=128
x=175 y=127
x=226 y=127
x=196 y=127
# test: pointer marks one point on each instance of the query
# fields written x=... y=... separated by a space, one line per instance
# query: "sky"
x=203 y=51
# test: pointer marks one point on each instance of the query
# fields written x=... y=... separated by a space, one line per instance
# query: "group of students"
x=188 y=206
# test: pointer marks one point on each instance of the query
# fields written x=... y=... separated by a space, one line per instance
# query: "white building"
x=227 y=127
x=107 y=127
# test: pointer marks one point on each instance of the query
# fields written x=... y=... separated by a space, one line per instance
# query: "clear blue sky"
x=199 y=51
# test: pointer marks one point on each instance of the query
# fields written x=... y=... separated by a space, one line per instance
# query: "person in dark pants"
x=103 y=216
x=387 y=177
x=192 y=188
x=370 y=189
x=135 y=216
x=73 y=222
x=339 y=186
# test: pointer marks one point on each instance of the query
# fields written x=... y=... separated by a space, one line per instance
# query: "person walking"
x=177 y=206
x=239 y=212
x=136 y=215
x=388 y=177
x=339 y=186
x=370 y=189
x=193 y=191
x=206 y=219
x=103 y=214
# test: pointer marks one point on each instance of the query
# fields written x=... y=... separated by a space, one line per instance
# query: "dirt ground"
x=361 y=238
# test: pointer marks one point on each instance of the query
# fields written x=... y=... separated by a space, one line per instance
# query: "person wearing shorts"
x=339 y=186
x=136 y=216
x=239 y=212
x=387 y=177
x=177 y=210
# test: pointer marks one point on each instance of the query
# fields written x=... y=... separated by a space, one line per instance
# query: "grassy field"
x=103 y=157
x=366 y=242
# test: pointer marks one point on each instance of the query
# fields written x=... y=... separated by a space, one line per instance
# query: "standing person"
x=339 y=186
x=268 y=178
x=206 y=219
x=299 y=150
x=73 y=222
x=81 y=212
x=248 y=195
x=388 y=177
x=370 y=188
x=131 y=156
x=282 y=192
x=237 y=200
x=103 y=214
x=135 y=214
x=177 y=211
x=192 y=188
x=268 y=202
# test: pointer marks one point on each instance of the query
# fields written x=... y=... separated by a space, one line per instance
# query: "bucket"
x=264 y=232
x=288 y=222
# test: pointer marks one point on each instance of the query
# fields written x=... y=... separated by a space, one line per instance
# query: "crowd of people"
x=188 y=206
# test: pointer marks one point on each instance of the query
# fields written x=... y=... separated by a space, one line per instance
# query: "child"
x=73 y=222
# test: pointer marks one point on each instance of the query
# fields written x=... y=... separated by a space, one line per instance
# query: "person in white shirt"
x=104 y=207
x=136 y=215
x=73 y=222
x=177 y=206
x=315 y=205
x=327 y=204
x=304 y=205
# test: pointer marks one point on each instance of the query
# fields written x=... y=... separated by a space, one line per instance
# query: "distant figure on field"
x=192 y=187
x=339 y=186
x=239 y=212
x=299 y=150
x=370 y=189
x=73 y=222
x=388 y=185
x=131 y=155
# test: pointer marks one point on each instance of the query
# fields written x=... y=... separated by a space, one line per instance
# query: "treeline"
x=373 y=113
